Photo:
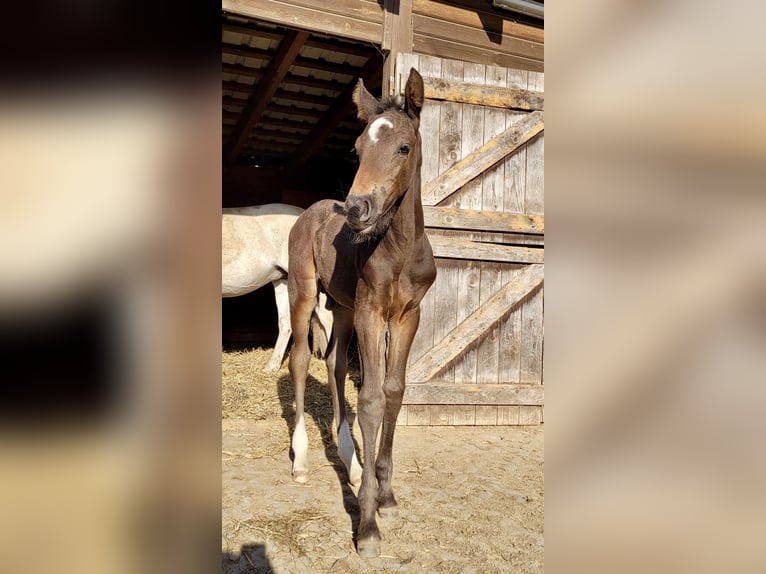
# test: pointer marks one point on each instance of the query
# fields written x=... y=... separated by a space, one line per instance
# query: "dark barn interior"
x=289 y=127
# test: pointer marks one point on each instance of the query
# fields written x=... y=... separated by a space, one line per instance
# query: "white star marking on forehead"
x=376 y=126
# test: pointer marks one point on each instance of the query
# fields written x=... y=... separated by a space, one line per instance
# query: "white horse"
x=254 y=253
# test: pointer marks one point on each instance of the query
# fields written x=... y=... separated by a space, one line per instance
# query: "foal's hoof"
x=301 y=476
x=388 y=511
x=369 y=548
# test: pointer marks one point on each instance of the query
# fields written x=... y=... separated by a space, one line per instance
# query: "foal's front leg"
x=401 y=332
x=370 y=329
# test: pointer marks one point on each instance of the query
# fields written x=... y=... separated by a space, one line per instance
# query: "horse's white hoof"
x=301 y=476
x=271 y=368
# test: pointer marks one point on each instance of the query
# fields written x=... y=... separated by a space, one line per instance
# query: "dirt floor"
x=470 y=498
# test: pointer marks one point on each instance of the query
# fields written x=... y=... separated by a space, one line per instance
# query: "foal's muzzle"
x=359 y=212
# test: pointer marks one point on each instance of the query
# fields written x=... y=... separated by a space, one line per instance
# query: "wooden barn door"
x=478 y=354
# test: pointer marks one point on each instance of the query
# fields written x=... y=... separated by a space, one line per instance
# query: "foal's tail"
x=321 y=326
x=318 y=338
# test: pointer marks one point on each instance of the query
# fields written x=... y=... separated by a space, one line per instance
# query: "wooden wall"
x=478 y=355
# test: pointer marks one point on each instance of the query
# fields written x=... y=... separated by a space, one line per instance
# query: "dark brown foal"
x=373 y=259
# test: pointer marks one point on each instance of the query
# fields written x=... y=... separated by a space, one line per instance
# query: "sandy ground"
x=470 y=498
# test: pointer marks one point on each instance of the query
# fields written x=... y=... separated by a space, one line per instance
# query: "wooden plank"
x=418 y=415
x=492 y=196
x=477 y=162
x=267 y=87
x=508 y=414
x=469 y=198
x=315 y=16
x=479 y=14
x=464 y=415
x=474 y=219
x=530 y=415
x=445 y=305
x=486 y=415
x=456 y=248
x=401 y=420
x=440 y=393
x=478 y=37
x=469 y=331
x=531 y=367
x=428 y=45
x=510 y=336
x=246 y=51
x=442 y=415
x=483 y=95
x=450 y=145
x=487 y=349
x=397 y=39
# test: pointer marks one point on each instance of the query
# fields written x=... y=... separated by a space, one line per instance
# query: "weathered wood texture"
x=477 y=356
x=355 y=19
x=467 y=30
x=512 y=98
x=469 y=331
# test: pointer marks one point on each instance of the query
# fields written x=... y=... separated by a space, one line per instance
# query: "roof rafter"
x=336 y=113
x=276 y=70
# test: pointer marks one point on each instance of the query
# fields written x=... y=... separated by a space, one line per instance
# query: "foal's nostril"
x=364 y=209
x=359 y=208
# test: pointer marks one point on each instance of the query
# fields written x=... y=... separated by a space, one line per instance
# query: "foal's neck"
x=407 y=225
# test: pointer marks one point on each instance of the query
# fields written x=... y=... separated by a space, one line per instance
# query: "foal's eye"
x=404 y=150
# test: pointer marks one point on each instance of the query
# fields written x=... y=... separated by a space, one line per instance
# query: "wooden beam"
x=397 y=38
x=277 y=69
x=459 y=248
x=251 y=30
x=483 y=158
x=232 y=101
x=436 y=393
x=247 y=51
x=464 y=93
x=478 y=37
x=479 y=14
x=241 y=70
x=325 y=66
x=355 y=19
x=336 y=113
x=239 y=87
x=453 y=345
x=457 y=50
x=474 y=220
x=293 y=111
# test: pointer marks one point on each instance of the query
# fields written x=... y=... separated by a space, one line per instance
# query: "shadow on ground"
x=318 y=406
x=251 y=558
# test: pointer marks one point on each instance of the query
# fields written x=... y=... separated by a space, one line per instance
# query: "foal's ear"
x=366 y=104
x=413 y=94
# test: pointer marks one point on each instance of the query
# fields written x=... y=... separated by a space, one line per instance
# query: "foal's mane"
x=390 y=103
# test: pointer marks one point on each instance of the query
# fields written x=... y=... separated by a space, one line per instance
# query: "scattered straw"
x=249 y=392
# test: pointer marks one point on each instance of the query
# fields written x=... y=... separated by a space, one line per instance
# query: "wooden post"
x=397 y=38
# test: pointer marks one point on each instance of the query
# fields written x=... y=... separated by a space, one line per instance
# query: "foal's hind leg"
x=337 y=366
x=302 y=300
x=401 y=334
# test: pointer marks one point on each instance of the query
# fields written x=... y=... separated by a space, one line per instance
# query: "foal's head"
x=389 y=156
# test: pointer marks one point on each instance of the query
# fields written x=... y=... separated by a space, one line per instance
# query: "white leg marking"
x=348 y=454
x=300 y=451
x=375 y=127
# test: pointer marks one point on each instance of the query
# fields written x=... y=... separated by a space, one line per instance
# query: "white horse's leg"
x=283 y=314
